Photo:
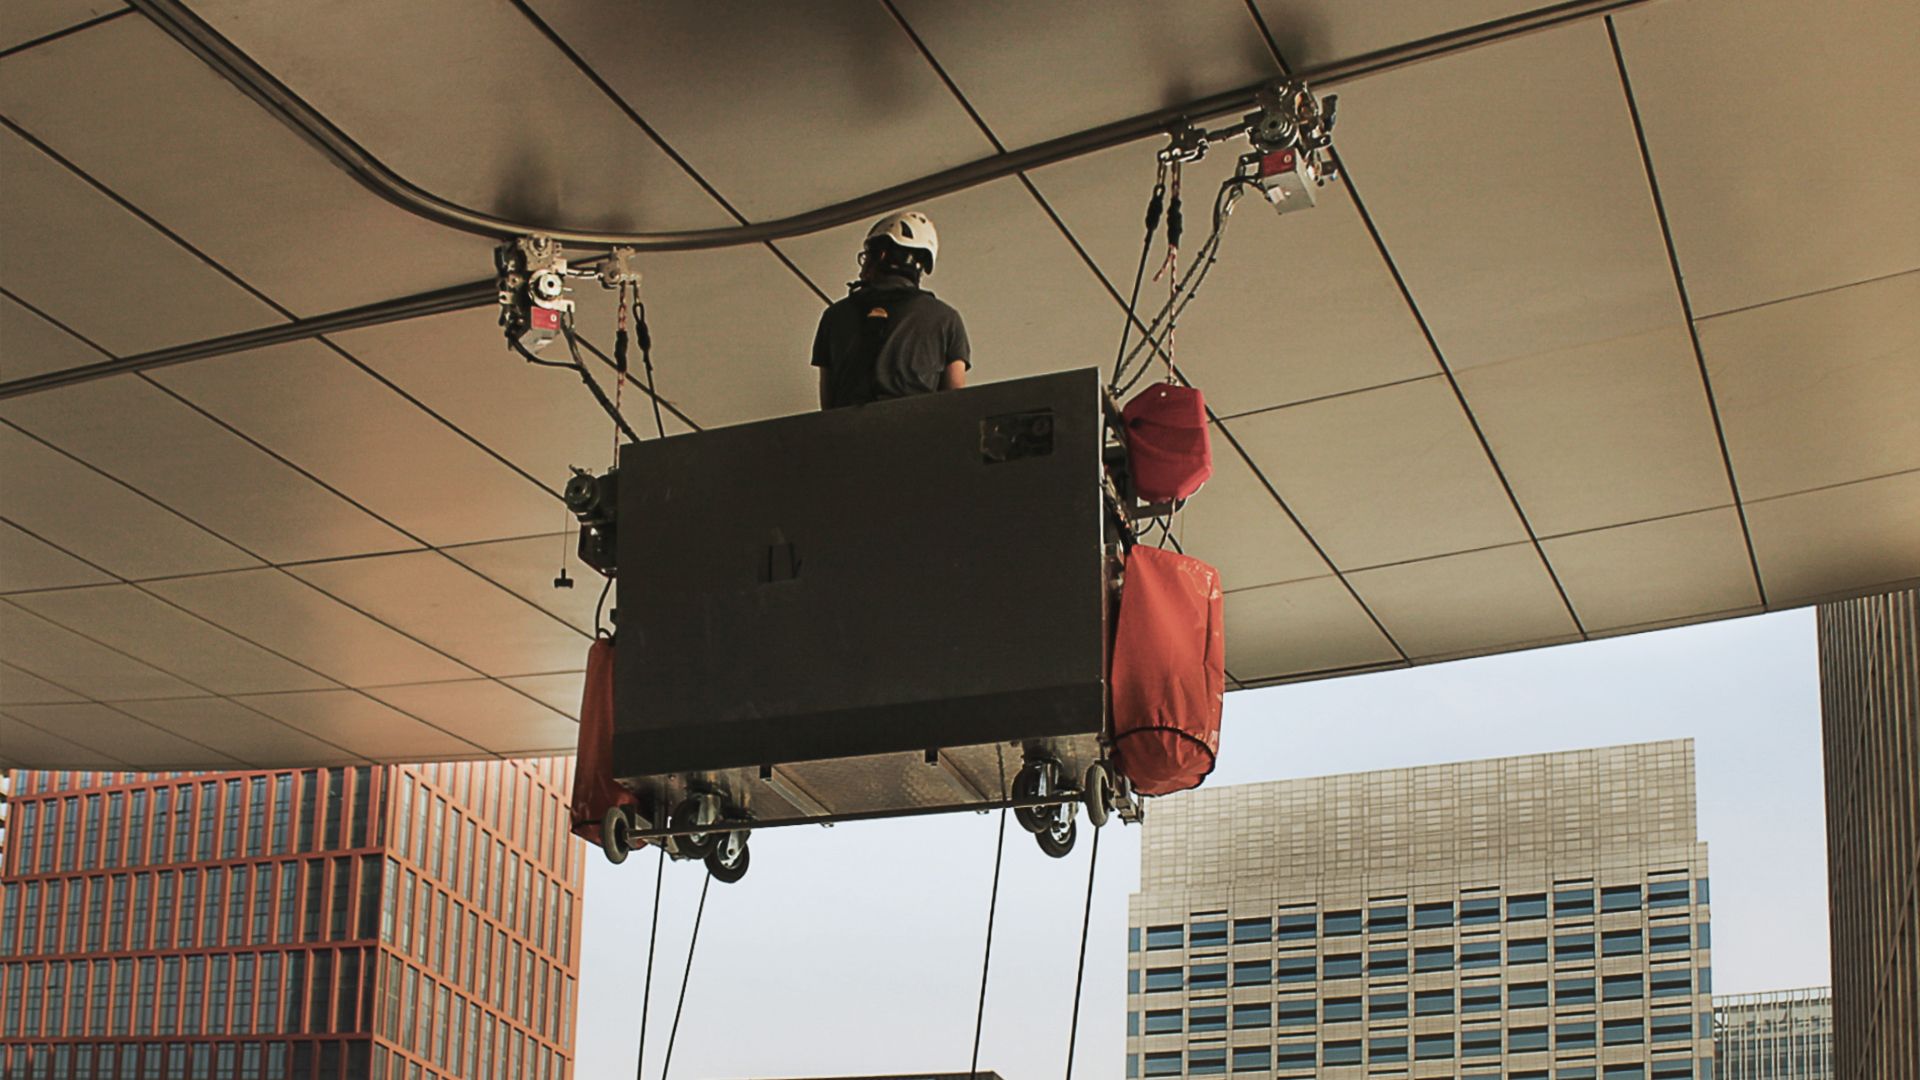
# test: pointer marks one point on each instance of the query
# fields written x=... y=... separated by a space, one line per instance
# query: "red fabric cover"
x=1169 y=671
x=1167 y=443
x=594 y=789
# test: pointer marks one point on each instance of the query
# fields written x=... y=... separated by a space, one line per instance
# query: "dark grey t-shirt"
x=909 y=334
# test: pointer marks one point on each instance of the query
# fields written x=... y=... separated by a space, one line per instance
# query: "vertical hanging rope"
x=986 y=961
x=1086 y=920
x=653 y=938
x=686 y=976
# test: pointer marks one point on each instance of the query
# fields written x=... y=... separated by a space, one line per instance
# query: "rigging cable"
x=653 y=939
x=1190 y=285
x=687 y=975
x=1155 y=205
x=580 y=369
x=993 y=904
x=1086 y=920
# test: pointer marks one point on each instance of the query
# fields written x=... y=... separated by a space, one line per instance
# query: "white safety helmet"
x=909 y=229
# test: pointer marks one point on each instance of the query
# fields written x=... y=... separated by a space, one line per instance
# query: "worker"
x=889 y=338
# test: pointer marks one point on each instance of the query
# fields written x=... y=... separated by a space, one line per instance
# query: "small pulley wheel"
x=1098 y=794
x=729 y=857
x=693 y=812
x=1035 y=780
x=616 y=831
x=1057 y=838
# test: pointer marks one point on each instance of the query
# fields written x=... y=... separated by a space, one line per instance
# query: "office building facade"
x=402 y=922
x=1870 y=720
x=1532 y=918
x=1776 y=1035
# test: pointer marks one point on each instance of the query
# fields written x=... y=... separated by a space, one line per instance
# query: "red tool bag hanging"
x=1167 y=445
x=1169 y=671
x=594 y=789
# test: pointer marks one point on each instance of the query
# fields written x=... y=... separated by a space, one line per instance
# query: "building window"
x=1572 y=903
x=1342 y=923
x=1343 y=967
x=1625 y=1032
x=1293 y=1055
x=1384 y=1049
x=1252 y=1059
x=1479 y=911
x=1672 y=1027
x=1480 y=1042
x=1133 y=939
x=1628 y=987
x=1574 y=1035
x=1630 y=1070
x=1339 y=1009
x=1295 y=1012
x=1295 y=969
x=1249 y=931
x=1677 y=1068
x=1164 y=1063
x=1527 y=995
x=1620 y=898
x=1620 y=943
x=1662 y=894
x=1433 y=1047
x=1570 y=947
x=1343 y=1052
x=1296 y=927
x=1206 y=1018
x=1703 y=936
x=1207 y=977
x=1257 y=1015
x=1482 y=998
x=1165 y=937
x=1573 y=991
x=1530 y=906
x=1670 y=938
x=1384 y=962
x=1433 y=1003
x=1163 y=979
x=1700 y=892
x=1252 y=973
x=1479 y=954
x=1210 y=1062
x=1208 y=935
x=1162 y=1021
x=1575 y=1072
x=1390 y=918
x=1433 y=958
x=1669 y=982
x=1429 y=916
x=1387 y=1006
x=1529 y=951
x=1520 y=1040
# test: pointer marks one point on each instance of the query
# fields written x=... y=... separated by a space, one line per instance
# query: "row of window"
x=233 y=818
x=329 y=899
x=1391 y=963
x=324 y=1060
x=1583 y=1034
x=225 y=994
x=1214 y=1061
x=1397 y=917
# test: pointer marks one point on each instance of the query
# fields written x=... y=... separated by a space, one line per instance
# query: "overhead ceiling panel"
x=113 y=733
x=1652 y=572
x=340 y=424
x=1301 y=627
x=1298 y=307
x=296 y=620
x=487 y=714
x=109 y=525
x=528 y=567
x=21 y=688
x=30 y=345
x=27 y=20
x=1036 y=71
x=374 y=730
x=25 y=746
x=240 y=733
x=438 y=601
x=1821 y=389
x=473 y=103
x=123 y=618
x=87 y=262
x=1383 y=476
x=1237 y=526
x=808 y=91
x=1029 y=303
x=1723 y=84
x=27 y=562
x=61 y=656
x=1314 y=32
x=1846 y=540
x=140 y=435
x=1466 y=604
x=563 y=691
x=1609 y=432
x=143 y=116
x=1506 y=184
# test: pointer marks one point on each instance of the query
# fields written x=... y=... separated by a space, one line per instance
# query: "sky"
x=856 y=950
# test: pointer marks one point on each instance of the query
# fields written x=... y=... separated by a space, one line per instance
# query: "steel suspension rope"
x=1189 y=286
x=1155 y=206
x=993 y=904
x=653 y=939
x=687 y=975
x=1079 y=980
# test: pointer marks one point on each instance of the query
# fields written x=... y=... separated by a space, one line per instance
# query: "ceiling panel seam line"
x=265 y=565
x=1313 y=541
x=606 y=89
x=1686 y=302
x=129 y=766
x=205 y=691
x=1874 y=280
x=69 y=554
x=1267 y=38
x=156 y=225
x=1261 y=682
x=44 y=39
x=1650 y=520
x=1453 y=384
x=1336 y=395
x=1895 y=474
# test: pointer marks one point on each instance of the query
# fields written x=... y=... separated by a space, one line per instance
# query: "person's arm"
x=823 y=388
x=823 y=358
x=959 y=355
x=953 y=378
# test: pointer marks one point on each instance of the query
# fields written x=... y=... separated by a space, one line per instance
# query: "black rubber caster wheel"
x=694 y=811
x=1036 y=779
x=1098 y=794
x=1057 y=839
x=616 y=829
x=729 y=858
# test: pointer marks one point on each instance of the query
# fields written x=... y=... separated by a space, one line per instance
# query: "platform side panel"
x=833 y=583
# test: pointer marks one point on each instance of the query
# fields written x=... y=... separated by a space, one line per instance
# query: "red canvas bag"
x=1167 y=444
x=1169 y=674
x=594 y=789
